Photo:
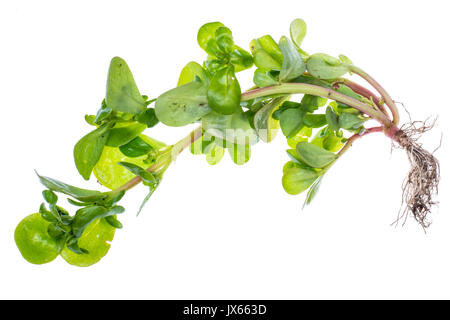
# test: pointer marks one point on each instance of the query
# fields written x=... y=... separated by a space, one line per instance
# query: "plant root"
x=420 y=187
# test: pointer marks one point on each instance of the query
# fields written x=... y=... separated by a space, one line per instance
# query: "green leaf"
x=270 y=47
x=122 y=93
x=206 y=33
x=88 y=150
x=224 y=39
x=141 y=172
x=296 y=180
x=323 y=66
x=313 y=191
x=332 y=143
x=314 y=120
x=84 y=216
x=49 y=196
x=264 y=78
x=291 y=121
x=136 y=148
x=298 y=31
x=350 y=121
x=241 y=59
x=122 y=135
x=265 y=61
x=311 y=103
x=293 y=65
x=292 y=153
x=224 y=92
x=152 y=187
x=314 y=156
x=183 y=105
x=265 y=125
x=332 y=119
x=49 y=216
x=239 y=153
x=96 y=239
x=190 y=71
x=77 y=193
x=148 y=117
x=112 y=220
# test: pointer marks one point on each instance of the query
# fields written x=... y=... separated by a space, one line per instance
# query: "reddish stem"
x=359 y=89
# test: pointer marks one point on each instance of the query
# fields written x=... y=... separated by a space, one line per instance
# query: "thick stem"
x=359 y=89
x=166 y=158
x=386 y=97
x=298 y=88
x=356 y=136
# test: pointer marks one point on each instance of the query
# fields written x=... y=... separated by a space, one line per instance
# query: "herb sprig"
x=319 y=128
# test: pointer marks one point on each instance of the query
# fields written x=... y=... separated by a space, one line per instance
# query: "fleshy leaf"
x=296 y=180
x=293 y=64
x=88 y=150
x=182 y=105
x=122 y=93
x=314 y=156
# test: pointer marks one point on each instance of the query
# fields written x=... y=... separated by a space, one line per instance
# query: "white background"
x=224 y=231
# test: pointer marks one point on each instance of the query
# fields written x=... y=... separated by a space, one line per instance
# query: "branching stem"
x=386 y=97
x=304 y=88
x=166 y=157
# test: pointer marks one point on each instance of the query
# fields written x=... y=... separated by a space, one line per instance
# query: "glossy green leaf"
x=332 y=119
x=224 y=92
x=96 y=240
x=122 y=135
x=263 y=78
x=49 y=196
x=224 y=39
x=183 y=105
x=113 y=222
x=314 y=156
x=122 y=93
x=332 y=143
x=292 y=153
x=148 y=117
x=77 y=193
x=291 y=121
x=264 y=61
x=293 y=64
x=190 y=71
x=268 y=45
x=241 y=59
x=84 y=216
x=136 y=148
x=88 y=150
x=206 y=33
x=311 y=103
x=137 y=170
x=296 y=180
x=298 y=31
x=323 y=66
x=350 y=121
x=314 y=120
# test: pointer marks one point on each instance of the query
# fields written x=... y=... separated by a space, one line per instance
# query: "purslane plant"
x=319 y=127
